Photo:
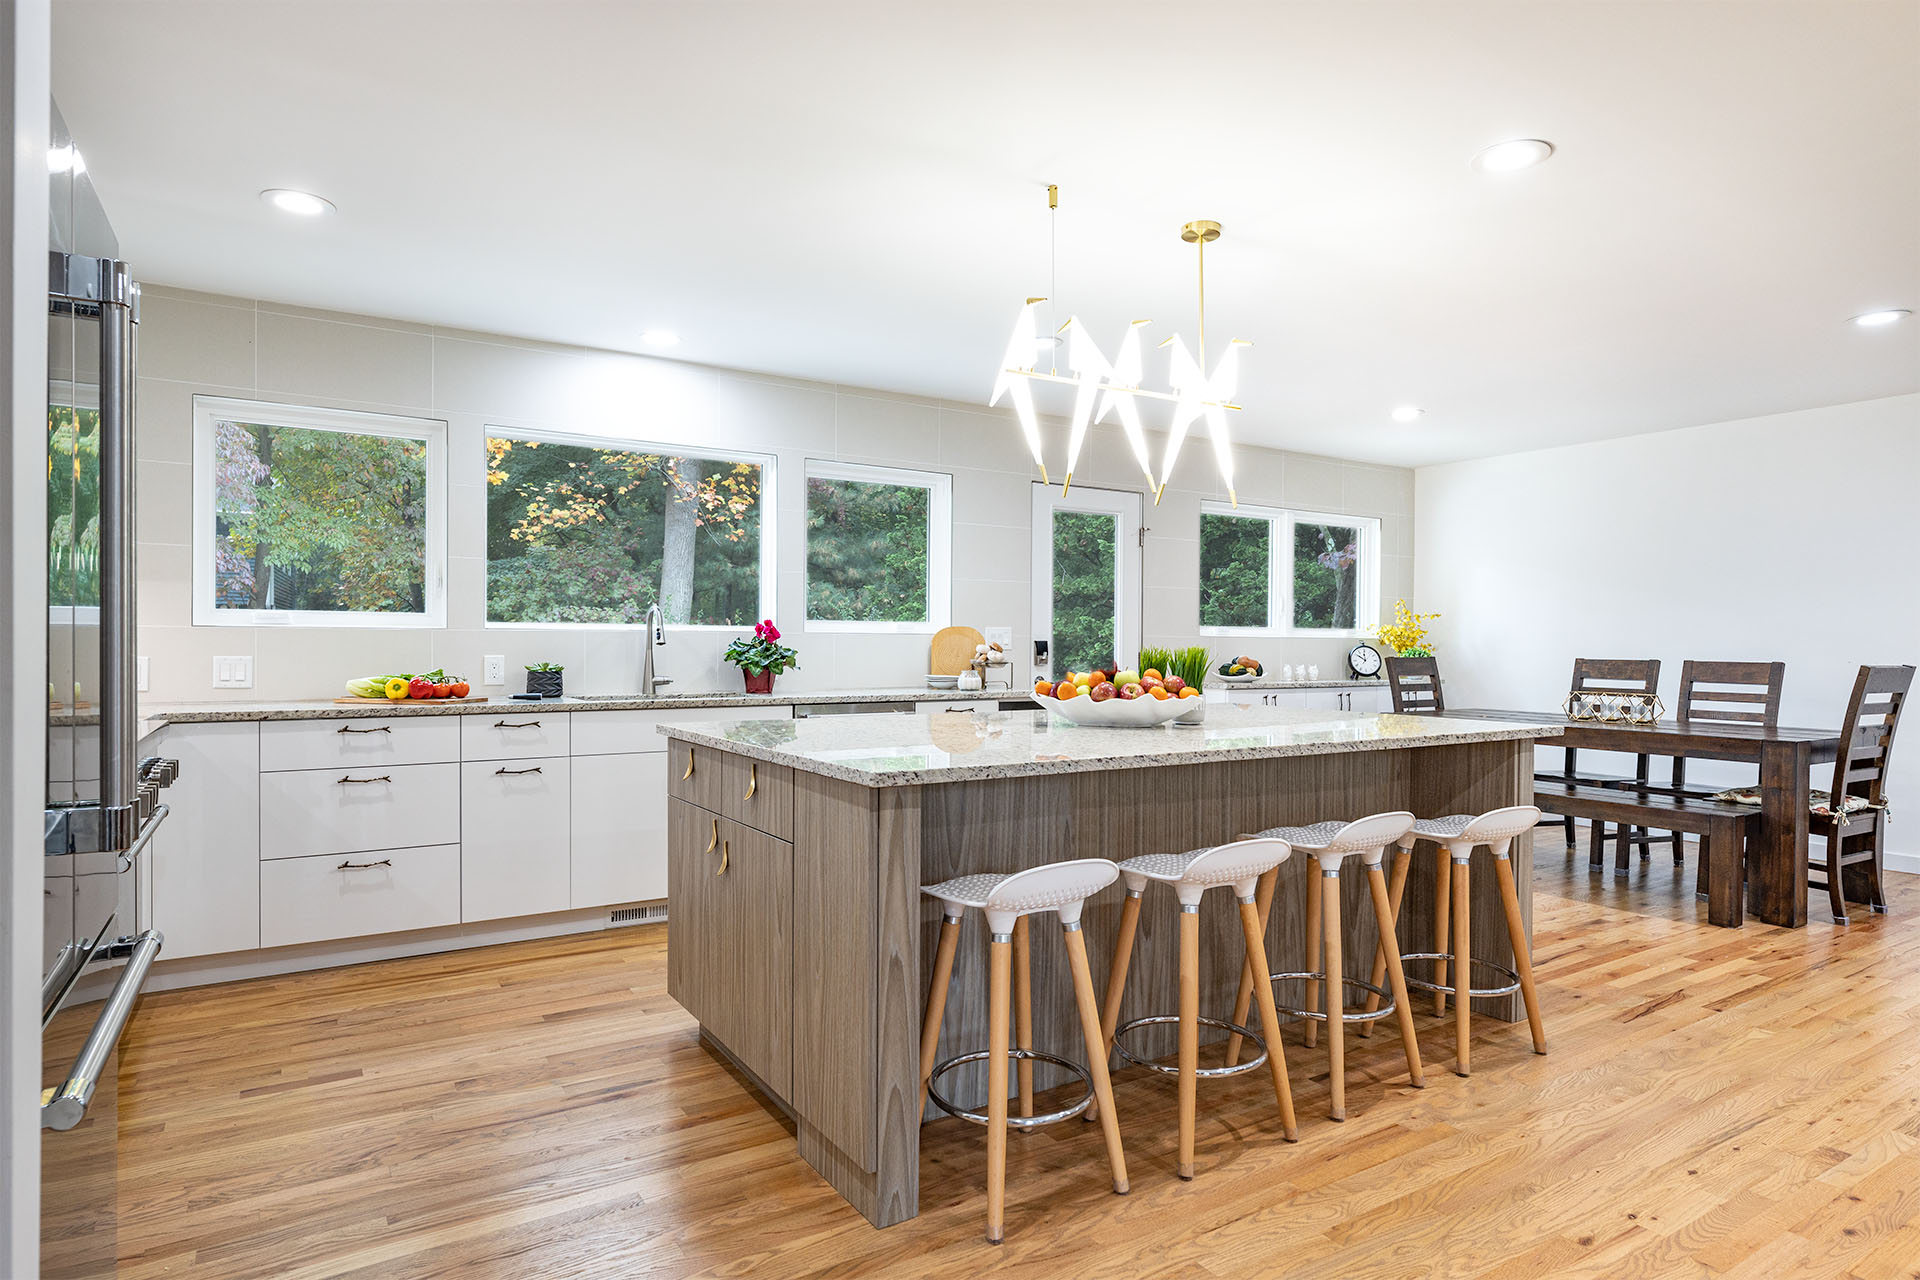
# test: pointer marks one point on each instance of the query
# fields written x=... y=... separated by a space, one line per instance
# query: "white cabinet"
x=619 y=732
x=1370 y=698
x=514 y=735
x=206 y=856
x=358 y=743
x=332 y=896
x=619 y=828
x=516 y=846
x=350 y=810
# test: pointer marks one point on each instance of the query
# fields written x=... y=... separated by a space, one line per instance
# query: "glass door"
x=1086 y=576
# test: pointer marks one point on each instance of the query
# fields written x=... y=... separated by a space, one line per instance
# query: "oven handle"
x=66 y=1105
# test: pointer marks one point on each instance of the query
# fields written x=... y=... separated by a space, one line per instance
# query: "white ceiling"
x=855 y=192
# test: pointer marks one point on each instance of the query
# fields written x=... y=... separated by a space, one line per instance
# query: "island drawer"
x=350 y=896
x=514 y=735
x=329 y=744
x=344 y=810
x=748 y=791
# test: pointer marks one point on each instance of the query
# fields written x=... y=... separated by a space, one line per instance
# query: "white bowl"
x=1118 y=713
x=1248 y=679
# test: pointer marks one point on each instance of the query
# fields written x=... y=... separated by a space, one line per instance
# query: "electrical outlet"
x=494 y=669
x=140 y=674
x=1002 y=636
x=233 y=672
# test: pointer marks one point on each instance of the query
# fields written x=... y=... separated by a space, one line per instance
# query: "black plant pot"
x=544 y=683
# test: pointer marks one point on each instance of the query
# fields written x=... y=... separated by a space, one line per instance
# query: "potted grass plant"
x=762 y=658
x=1191 y=665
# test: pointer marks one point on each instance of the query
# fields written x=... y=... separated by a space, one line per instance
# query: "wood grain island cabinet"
x=800 y=939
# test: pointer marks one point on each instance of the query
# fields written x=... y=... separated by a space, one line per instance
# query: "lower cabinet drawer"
x=342 y=810
x=353 y=895
x=516 y=846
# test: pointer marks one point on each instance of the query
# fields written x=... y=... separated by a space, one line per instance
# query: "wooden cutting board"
x=400 y=702
x=953 y=650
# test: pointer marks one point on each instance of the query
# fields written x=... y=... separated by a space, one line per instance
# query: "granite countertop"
x=212 y=712
x=1271 y=681
x=948 y=747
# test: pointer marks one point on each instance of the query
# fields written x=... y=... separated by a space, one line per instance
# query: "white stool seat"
x=1332 y=841
x=1238 y=863
x=1442 y=828
x=1465 y=828
x=967 y=891
x=1307 y=839
x=1059 y=886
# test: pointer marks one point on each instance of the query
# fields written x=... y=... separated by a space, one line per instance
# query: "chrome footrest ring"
x=1315 y=1015
x=1510 y=977
x=1207 y=1073
x=1013 y=1121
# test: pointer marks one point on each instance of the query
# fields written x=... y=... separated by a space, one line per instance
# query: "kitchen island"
x=796 y=850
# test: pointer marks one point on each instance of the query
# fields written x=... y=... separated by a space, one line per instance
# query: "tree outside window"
x=1277 y=572
x=1326 y=563
x=1086 y=546
x=1236 y=555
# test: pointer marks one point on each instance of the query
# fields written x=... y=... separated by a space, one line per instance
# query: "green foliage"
x=1160 y=660
x=1235 y=552
x=762 y=653
x=867 y=551
x=1084 y=546
x=545 y=666
x=1191 y=665
x=1326 y=567
x=73 y=506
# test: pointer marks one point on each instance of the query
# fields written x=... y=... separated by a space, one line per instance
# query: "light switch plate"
x=494 y=669
x=1002 y=636
x=140 y=674
x=234 y=672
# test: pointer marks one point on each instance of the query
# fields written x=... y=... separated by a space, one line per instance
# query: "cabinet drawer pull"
x=753 y=780
x=509 y=724
x=723 y=858
x=376 y=729
x=364 y=866
x=712 y=840
x=344 y=780
x=504 y=772
x=689 y=772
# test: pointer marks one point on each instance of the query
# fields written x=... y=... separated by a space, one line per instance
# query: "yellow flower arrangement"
x=1407 y=632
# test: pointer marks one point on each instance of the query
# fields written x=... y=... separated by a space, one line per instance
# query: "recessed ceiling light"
x=1874 y=319
x=302 y=203
x=1517 y=153
x=660 y=338
x=1408 y=413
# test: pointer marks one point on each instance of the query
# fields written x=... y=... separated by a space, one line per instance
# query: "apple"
x=1084 y=679
x=1175 y=684
x=1126 y=677
x=1131 y=690
x=1151 y=681
x=1102 y=692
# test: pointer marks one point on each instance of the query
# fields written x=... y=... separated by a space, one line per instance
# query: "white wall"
x=195 y=343
x=1791 y=538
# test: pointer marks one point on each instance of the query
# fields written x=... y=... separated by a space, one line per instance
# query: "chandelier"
x=1104 y=387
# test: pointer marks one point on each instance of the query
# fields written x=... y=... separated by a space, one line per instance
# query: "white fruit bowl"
x=1118 y=713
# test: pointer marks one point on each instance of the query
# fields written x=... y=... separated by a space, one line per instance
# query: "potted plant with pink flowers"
x=761 y=658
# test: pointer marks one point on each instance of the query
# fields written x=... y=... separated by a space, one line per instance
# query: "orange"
x=1066 y=691
x=1044 y=688
x=1151 y=672
x=1189 y=692
x=1159 y=691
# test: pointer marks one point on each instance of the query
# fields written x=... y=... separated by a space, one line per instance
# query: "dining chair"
x=1608 y=675
x=1722 y=693
x=1852 y=821
x=1415 y=685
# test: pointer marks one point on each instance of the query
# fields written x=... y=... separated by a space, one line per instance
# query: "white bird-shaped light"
x=1220 y=390
x=1124 y=376
x=1089 y=368
x=1019 y=357
x=1201 y=395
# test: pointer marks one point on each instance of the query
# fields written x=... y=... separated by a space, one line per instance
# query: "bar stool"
x=1333 y=843
x=1008 y=899
x=1457 y=835
x=1190 y=875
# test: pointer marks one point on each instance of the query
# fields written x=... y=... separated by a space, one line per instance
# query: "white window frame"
x=939 y=546
x=769 y=563
x=1281 y=522
x=208 y=410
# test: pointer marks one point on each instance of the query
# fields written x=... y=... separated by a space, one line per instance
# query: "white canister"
x=970 y=681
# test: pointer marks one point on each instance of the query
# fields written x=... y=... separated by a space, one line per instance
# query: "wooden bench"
x=1721 y=827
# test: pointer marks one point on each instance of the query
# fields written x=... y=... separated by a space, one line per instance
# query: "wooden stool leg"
x=1090 y=1031
x=999 y=980
x=1463 y=971
x=1383 y=916
x=1522 y=957
x=1256 y=939
x=1116 y=984
x=1023 y=1010
x=937 y=1003
x=1336 y=996
x=1316 y=962
x=1402 y=862
x=1442 y=896
x=1243 y=1001
x=1189 y=1032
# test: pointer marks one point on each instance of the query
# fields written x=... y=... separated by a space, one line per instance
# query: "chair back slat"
x=1718 y=692
x=1867 y=731
x=1415 y=685
x=1614 y=675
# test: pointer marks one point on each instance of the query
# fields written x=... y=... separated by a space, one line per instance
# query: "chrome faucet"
x=656 y=636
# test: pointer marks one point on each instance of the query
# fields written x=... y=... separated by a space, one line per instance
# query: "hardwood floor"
x=1718 y=1103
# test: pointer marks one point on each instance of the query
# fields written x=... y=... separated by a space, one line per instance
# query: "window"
x=585 y=531
x=317 y=517
x=1270 y=572
x=878 y=554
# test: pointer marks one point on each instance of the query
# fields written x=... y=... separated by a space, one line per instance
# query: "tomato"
x=442 y=690
x=420 y=687
x=461 y=688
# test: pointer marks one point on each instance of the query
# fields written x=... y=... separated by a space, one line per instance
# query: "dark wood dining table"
x=1777 y=847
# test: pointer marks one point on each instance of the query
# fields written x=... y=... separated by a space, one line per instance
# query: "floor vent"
x=639 y=915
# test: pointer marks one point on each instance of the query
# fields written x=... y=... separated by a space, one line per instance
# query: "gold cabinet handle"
x=689 y=772
x=753 y=780
x=714 y=839
x=723 y=858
